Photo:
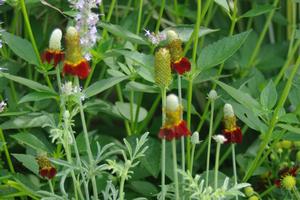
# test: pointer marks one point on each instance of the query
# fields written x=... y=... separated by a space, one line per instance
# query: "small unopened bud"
x=228 y=110
x=212 y=95
x=219 y=139
x=55 y=40
x=172 y=102
x=286 y=144
x=163 y=74
x=195 y=138
x=288 y=182
x=249 y=191
x=172 y=35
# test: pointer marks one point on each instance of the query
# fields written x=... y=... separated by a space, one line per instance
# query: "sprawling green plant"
x=204 y=95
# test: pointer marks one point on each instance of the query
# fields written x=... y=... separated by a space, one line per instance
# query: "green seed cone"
x=73 y=49
x=175 y=47
x=163 y=75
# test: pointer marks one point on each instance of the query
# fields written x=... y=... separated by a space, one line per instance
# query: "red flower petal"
x=44 y=172
x=233 y=136
x=277 y=183
x=54 y=57
x=181 y=129
x=51 y=172
x=80 y=69
x=167 y=133
x=182 y=66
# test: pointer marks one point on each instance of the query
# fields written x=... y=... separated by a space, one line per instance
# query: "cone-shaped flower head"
x=46 y=169
x=286 y=177
x=179 y=63
x=288 y=182
x=54 y=54
x=75 y=64
x=163 y=76
x=173 y=126
x=231 y=131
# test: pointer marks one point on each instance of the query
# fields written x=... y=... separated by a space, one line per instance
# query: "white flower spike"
x=55 y=40
x=172 y=102
x=228 y=110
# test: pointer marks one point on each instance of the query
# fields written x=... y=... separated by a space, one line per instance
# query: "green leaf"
x=140 y=87
x=221 y=50
x=144 y=188
x=258 y=10
x=37 y=96
x=152 y=165
x=223 y=4
x=28 y=161
x=102 y=85
x=140 y=58
x=268 y=96
x=119 y=31
x=27 y=82
x=31 y=120
x=185 y=31
x=289 y=128
x=21 y=47
x=31 y=141
x=243 y=98
x=124 y=110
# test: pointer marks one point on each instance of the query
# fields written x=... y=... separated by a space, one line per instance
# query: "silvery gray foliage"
x=196 y=190
x=123 y=169
x=110 y=192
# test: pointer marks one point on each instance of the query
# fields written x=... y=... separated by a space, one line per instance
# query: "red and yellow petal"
x=51 y=172
x=233 y=136
x=47 y=172
x=182 y=130
x=174 y=132
x=167 y=133
x=51 y=56
x=181 y=66
x=80 y=69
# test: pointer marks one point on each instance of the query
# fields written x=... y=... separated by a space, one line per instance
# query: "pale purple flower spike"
x=155 y=39
x=86 y=22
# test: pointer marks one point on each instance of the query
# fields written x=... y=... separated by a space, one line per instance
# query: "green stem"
x=273 y=122
x=189 y=106
x=175 y=169
x=197 y=27
x=161 y=11
x=29 y=30
x=111 y=8
x=176 y=11
x=138 y=28
x=163 y=152
x=296 y=192
x=217 y=164
x=192 y=158
x=122 y=182
x=87 y=143
x=270 y=189
x=234 y=167
x=209 y=141
x=10 y=165
x=261 y=37
x=51 y=186
x=89 y=78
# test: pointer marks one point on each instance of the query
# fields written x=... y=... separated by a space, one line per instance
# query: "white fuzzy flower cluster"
x=155 y=39
x=86 y=21
x=3 y=105
x=68 y=89
x=219 y=139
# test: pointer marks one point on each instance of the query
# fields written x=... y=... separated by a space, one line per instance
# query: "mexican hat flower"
x=231 y=131
x=75 y=64
x=173 y=126
x=46 y=169
x=54 y=54
x=179 y=63
x=163 y=76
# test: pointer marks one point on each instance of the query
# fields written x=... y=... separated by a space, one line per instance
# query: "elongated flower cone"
x=179 y=63
x=163 y=76
x=231 y=131
x=75 y=64
x=54 y=54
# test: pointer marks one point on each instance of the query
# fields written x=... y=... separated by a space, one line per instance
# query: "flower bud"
x=249 y=191
x=163 y=75
x=55 y=40
x=288 y=182
x=195 y=138
x=286 y=144
x=253 y=198
x=172 y=103
x=212 y=95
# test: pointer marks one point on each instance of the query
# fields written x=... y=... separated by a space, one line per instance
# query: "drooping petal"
x=51 y=172
x=182 y=130
x=182 y=66
x=53 y=57
x=80 y=69
x=233 y=136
